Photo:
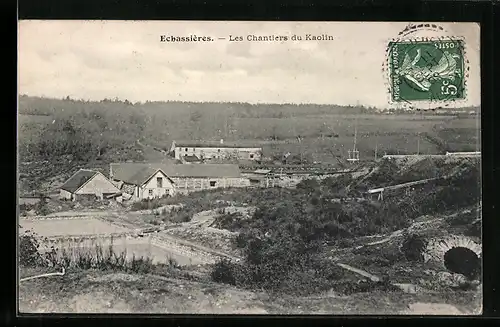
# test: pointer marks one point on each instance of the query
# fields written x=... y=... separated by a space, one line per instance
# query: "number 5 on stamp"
x=427 y=70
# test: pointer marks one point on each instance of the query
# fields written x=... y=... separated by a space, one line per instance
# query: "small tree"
x=28 y=250
x=42 y=208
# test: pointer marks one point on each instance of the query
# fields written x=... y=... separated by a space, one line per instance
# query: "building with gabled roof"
x=209 y=150
x=185 y=177
x=87 y=183
x=144 y=182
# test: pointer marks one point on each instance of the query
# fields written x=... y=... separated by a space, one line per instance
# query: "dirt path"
x=363 y=273
x=388 y=237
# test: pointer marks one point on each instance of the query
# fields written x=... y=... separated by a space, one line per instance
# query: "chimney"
x=221 y=141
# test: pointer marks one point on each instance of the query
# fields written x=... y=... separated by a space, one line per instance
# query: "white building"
x=141 y=182
x=216 y=150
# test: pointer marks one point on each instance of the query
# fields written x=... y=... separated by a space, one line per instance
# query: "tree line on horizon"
x=36 y=105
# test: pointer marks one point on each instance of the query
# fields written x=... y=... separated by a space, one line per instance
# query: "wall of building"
x=189 y=184
x=151 y=190
x=63 y=194
x=98 y=185
x=220 y=153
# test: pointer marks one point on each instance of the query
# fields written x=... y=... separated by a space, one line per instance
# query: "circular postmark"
x=426 y=69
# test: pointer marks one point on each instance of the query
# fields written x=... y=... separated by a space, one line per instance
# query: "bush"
x=309 y=185
x=146 y=204
x=413 y=247
x=223 y=272
x=24 y=208
x=42 y=208
x=28 y=250
x=230 y=221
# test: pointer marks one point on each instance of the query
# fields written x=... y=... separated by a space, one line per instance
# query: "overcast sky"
x=107 y=59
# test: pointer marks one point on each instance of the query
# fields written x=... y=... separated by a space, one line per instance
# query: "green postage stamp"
x=427 y=70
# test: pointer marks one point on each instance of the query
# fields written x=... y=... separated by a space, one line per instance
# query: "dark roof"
x=137 y=173
x=204 y=170
x=215 y=144
x=78 y=179
x=142 y=175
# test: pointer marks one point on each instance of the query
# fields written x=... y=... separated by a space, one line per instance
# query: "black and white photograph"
x=249 y=167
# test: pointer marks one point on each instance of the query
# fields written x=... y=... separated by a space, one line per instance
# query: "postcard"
x=236 y=167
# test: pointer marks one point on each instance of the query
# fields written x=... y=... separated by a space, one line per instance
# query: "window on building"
x=150 y=192
x=159 y=182
x=212 y=183
x=218 y=150
x=186 y=149
x=251 y=156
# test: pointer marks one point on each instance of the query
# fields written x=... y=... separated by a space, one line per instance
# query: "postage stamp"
x=427 y=70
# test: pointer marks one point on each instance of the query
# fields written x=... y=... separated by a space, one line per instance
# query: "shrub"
x=413 y=247
x=146 y=204
x=230 y=221
x=141 y=265
x=223 y=272
x=24 y=208
x=41 y=207
x=309 y=185
x=171 y=262
x=28 y=250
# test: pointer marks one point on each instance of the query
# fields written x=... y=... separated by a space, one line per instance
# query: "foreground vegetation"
x=97 y=257
x=282 y=243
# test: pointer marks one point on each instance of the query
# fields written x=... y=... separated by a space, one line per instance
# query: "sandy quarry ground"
x=199 y=230
x=80 y=226
x=97 y=292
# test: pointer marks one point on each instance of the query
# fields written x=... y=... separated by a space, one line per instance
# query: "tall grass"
x=97 y=257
